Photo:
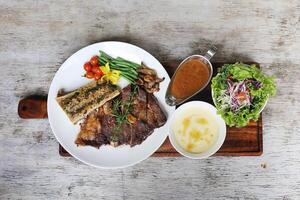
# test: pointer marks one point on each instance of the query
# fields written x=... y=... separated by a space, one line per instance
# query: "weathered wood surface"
x=37 y=36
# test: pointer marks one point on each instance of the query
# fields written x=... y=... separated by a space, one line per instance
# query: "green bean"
x=102 y=53
x=118 y=68
x=128 y=78
x=125 y=70
x=125 y=64
x=112 y=64
x=133 y=72
x=126 y=67
x=122 y=59
x=102 y=60
x=129 y=74
x=128 y=70
x=121 y=67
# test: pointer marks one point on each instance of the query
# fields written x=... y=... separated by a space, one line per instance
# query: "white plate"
x=69 y=77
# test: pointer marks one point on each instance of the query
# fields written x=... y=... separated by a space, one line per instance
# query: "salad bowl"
x=240 y=92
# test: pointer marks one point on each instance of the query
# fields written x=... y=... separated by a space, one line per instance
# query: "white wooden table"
x=37 y=36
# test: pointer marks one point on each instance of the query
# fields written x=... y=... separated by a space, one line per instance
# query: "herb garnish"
x=121 y=110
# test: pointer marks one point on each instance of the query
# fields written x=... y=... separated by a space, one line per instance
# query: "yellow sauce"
x=196 y=130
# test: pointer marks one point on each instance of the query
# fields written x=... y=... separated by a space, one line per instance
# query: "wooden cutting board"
x=246 y=141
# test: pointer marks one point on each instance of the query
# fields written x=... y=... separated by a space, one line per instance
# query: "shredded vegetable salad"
x=240 y=91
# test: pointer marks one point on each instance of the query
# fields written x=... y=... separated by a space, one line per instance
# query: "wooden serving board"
x=246 y=141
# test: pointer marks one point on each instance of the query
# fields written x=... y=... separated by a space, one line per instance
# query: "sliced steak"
x=131 y=134
x=90 y=132
x=155 y=116
x=108 y=123
x=100 y=127
x=139 y=103
x=141 y=131
x=149 y=116
x=139 y=107
x=125 y=133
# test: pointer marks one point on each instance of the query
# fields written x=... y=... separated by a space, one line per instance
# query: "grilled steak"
x=144 y=109
x=139 y=103
x=155 y=116
x=90 y=130
x=130 y=134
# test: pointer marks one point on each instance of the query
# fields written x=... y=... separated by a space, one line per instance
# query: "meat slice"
x=91 y=128
x=155 y=116
x=125 y=93
x=140 y=132
x=149 y=115
x=130 y=134
x=139 y=107
x=123 y=135
x=90 y=132
x=108 y=123
x=106 y=109
x=139 y=102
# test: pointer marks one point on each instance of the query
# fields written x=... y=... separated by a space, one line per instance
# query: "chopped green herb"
x=121 y=110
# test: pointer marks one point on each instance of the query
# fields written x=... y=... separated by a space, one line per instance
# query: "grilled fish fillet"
x=79 y=103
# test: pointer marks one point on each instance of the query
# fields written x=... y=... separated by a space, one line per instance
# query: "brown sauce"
x=189 y=78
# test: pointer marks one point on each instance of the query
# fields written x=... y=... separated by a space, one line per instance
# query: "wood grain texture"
x=37 y=36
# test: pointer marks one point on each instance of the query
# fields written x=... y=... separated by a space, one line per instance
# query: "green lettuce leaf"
x=240 y=72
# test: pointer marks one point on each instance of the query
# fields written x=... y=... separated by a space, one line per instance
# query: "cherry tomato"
x=89 y=74
x=96 y=69
x=87 y=67
x=97 y=76
x=94 y=60
x=95 y=65
x=100 y=72
x=241 y=96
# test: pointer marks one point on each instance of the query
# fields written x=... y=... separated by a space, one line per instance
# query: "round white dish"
x=222 y=130
x=69 y=77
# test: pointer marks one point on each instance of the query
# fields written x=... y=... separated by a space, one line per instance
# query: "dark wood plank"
x=33 y=107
